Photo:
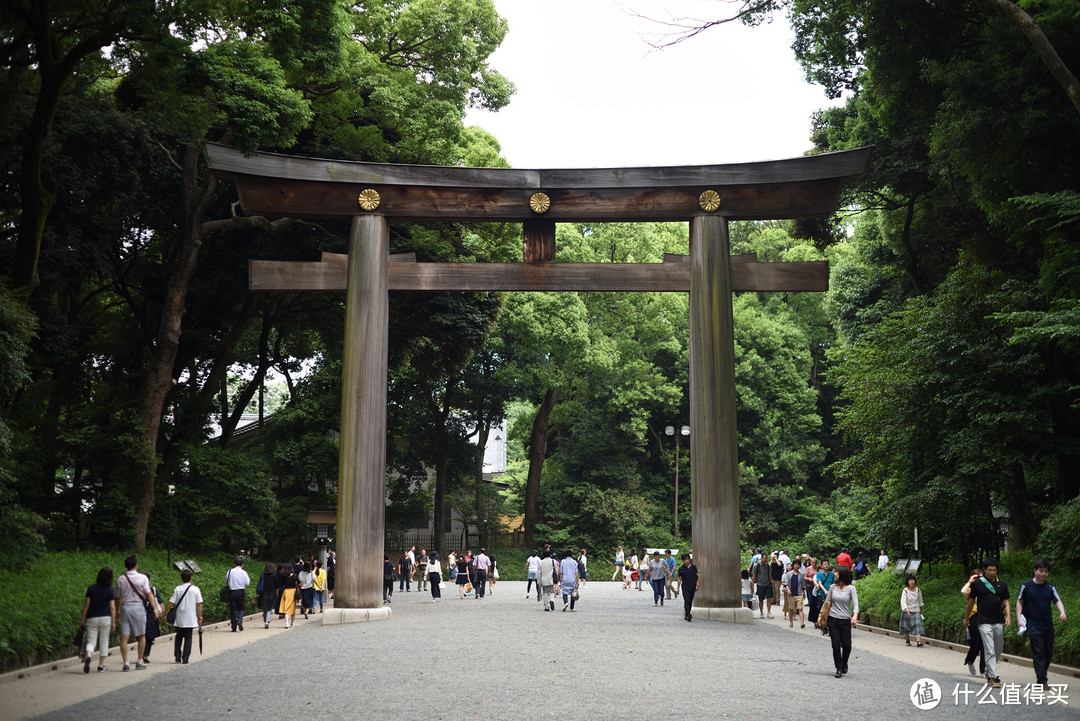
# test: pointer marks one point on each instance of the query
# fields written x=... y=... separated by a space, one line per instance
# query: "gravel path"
x=617 y=657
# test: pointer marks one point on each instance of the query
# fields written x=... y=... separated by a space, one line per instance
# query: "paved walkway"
x=616 y=657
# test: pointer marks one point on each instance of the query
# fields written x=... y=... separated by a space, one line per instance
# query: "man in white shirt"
x=131 y=589
x=188 y=600
x=882 y=561
x=237 y=580
x=482 y=564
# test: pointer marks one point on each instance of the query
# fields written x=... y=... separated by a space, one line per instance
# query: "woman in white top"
x=843 y=615
x=911 y=619
x=434 y=572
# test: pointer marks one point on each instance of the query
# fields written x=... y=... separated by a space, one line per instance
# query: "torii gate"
x=372 y=194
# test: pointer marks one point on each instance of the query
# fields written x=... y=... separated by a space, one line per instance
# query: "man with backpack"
x=992 y=616
x=1033 y=604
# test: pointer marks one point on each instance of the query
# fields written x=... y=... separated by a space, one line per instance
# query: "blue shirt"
x=1038 y=598
x=670 y=561
x=825 y=580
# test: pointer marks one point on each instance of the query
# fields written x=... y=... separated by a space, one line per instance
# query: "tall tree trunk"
x=1047 y=53
x=537 y=451
x=1022 y=526
x=482 y=433
x=160 y=378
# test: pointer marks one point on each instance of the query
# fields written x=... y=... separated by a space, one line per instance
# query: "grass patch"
x=32 y=632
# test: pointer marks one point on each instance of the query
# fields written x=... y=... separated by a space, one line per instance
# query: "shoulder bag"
x=223 y=594
x=170 y=617
x=825 y=607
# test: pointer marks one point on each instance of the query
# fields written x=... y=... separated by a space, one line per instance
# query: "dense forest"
x=936 y=384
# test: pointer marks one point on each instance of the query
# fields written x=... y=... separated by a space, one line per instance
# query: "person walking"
x=131 y=589
x=688 y=585
x=237 y=579
x=482 y=564
x=462 y=576
x=658 y=574
x=993 y=616
x=669 y=586
x=99 y=618
x=187 y=597
x=307 y=589
x=421 y=571
x=319 y=585
x=266 y=592
x=795 y=598
x=911 y=618
x=776 y=577
x=331 y=574
x=290 y=591
x=532 y=571
x=405 y=570
x=153 y=625
x=642 y=567
x=759 y=574
x=843 y=616
x=620 y=560
x=388 y=578
x=882 y=560
x=548 y=573
x=434 y=575
x=975 y=649
x=568 y=580
x=1033 y=602
x=583 y=571
x=823 y=581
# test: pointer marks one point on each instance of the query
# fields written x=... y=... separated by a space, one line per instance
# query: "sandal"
x=919 y=645
x=909 y=643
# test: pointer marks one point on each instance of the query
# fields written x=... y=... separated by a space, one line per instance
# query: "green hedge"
x=944 y=606
x=43 y=601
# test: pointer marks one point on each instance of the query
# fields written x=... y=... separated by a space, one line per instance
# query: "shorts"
x=764 y=590
x=532 y=575
x=794 y=603
x=132 y=620
x=746 y=596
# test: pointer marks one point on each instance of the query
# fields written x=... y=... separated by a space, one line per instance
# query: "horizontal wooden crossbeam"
x=670 y=276
x=282 y=185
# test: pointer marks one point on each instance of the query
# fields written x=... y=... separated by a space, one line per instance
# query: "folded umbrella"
x=200 y=640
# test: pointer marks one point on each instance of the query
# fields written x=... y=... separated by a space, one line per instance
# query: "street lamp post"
x=684 y=431
x=172 y=492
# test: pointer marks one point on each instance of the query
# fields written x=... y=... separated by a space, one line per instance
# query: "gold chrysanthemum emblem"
x=369 y=199
x=709 y=201
x=539 y=202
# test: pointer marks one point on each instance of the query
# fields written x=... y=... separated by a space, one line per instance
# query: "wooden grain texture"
x=538 y=241
x=309 y=199
x=674 y=276
x=714 y=463
x=362 y=450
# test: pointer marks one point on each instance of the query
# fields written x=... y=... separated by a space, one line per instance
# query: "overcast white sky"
x=592 y=93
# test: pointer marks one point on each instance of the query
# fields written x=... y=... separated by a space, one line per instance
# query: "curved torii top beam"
x=285 y=185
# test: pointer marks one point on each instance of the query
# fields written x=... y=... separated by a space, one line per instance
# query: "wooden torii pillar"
x=371 y=195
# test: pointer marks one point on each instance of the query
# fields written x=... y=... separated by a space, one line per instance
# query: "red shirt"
x=844 y=560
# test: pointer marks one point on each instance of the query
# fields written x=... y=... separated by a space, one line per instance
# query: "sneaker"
x=553 y=605
x=126 y=667
x=177 y=659
x=102 y=668
x=241 y=626
x=140 y=667
x=839 y=674
x=86 y=664
x=971 y=669
x=565 y=606
x=769 y=616
x=995 y=682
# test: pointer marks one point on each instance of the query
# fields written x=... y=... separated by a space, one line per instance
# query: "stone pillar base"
x=740 y=614
x=338 y=616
